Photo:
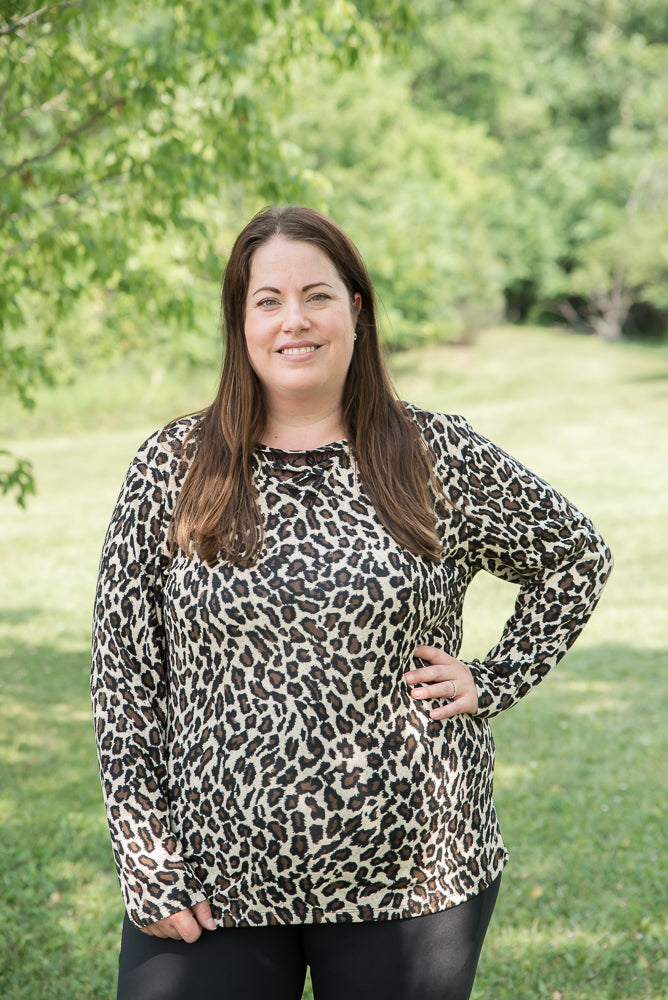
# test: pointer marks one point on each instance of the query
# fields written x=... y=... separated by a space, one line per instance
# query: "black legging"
x=424 y=958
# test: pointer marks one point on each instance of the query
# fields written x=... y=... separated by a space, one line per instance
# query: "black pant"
x=424 y=958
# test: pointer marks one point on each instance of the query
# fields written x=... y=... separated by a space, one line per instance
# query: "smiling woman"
x=294 y=759
x=261 y=399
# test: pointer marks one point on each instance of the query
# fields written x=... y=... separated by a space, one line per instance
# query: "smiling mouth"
x=299 y=350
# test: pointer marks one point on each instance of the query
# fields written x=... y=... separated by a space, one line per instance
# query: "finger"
x=445 y=711
x=162 y=929
x=172 y=931
x=181 y=926
x=433 y=654
x=185 y=926
x=153 y=930
x=202 y=913
x=446 y=689
x=423 y=675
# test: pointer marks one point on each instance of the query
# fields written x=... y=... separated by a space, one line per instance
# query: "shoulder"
x=161 y=462
x=169 y=447
x=444 y=433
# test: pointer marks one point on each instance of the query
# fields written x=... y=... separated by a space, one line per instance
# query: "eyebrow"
x=277 y=291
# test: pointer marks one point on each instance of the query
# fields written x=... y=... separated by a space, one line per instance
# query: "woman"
x=297 y=767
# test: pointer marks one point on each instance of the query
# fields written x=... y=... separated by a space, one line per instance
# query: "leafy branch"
x=17 y=479
x=23 y=22
x=62 y=142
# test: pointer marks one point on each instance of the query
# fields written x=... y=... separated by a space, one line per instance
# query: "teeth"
x=297 y=350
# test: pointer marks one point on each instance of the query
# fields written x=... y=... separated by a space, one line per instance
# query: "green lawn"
x=581 y=764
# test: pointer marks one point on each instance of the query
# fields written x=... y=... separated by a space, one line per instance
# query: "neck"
x=299 y=432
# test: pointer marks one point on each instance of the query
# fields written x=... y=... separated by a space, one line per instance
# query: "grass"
x=581 y=763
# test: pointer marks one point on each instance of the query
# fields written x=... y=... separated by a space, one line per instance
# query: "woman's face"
x=299 y=323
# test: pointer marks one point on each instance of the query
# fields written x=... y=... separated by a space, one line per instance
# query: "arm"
x=129 y=687
x=521 y=529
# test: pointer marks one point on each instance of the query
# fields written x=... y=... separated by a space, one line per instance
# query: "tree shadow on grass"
x=650 y=377
x=18 y=616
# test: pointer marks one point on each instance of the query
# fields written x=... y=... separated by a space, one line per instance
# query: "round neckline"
x=341 y=444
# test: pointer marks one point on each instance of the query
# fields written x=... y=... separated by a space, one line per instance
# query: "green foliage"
x=575 y=94
x=135 y=136
x=477 y=152
x=20 y=372
x=418 y=190
x=16 y=477
x=519 y=146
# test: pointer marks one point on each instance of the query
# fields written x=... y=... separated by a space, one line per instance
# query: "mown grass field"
x=581 y=764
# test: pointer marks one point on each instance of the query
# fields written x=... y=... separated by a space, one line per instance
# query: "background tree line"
x=488 y=158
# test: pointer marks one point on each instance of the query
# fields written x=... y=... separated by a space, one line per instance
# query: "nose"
x=294 y=318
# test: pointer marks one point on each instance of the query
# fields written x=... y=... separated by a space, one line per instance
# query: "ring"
x=454 y=690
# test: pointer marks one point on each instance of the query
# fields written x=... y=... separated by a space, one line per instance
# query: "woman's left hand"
x=444 y=678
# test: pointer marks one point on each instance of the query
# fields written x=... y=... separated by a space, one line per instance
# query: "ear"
x=357 y=305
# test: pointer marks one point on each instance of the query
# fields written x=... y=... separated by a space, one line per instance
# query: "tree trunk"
x=609 y=307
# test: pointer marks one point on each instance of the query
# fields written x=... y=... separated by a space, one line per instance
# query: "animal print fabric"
x=257 y=742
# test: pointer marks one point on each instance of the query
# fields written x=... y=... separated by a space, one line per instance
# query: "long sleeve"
x=129 y=687
x=522 y=530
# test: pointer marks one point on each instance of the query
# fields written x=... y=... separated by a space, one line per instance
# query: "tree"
x=575 y=93
x=418 y=189
x=131 y=135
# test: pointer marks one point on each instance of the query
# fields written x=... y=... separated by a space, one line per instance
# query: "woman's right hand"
x=186 y=925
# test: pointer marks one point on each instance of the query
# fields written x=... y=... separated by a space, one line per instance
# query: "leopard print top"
x=258 y=746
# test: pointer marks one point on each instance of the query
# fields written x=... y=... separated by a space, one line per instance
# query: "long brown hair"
x=217 y=513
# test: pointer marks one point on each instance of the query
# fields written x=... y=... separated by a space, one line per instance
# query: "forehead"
x=280 y=260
